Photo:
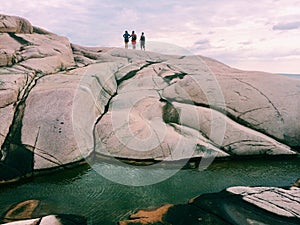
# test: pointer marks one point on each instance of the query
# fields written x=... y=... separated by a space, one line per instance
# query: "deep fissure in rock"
x=16 y=159
x=21 y=40
x=170 y=113
x=132 y=73
x=176 y=75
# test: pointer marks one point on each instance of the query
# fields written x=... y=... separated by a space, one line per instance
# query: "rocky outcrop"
x=235 y=205
x=14 y=24
x=61 y=103
x=39 y=53
x=174 y=108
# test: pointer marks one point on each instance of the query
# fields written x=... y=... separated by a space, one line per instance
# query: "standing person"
x=142 y=41
x=133 y=39
x=126 y=37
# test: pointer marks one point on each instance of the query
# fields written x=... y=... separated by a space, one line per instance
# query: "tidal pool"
x=84 y=192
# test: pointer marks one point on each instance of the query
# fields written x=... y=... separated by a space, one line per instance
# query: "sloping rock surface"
x=61 y=103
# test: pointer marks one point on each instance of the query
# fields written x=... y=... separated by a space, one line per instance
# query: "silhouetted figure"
x=133 y=40
x=142 y=41
x=126 y=37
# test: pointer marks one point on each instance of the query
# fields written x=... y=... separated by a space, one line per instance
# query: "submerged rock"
x=148 y=217
x=61 y=103
x=297 y=183
x=53 y=220
x=31 y=212
x=235 y=205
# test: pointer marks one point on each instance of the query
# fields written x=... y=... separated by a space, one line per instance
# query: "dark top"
x=126 y=37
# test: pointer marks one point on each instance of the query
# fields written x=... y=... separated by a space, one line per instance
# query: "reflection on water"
x=83 y=191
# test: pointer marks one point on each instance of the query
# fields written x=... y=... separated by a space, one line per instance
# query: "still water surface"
x=83 y=191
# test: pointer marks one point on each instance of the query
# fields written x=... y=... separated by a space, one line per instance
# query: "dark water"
x=83 y=191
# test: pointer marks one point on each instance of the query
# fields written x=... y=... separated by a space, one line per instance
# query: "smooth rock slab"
x=227 y=134
x=134 y=128
x=262 y=100
x=6 y=118
x=127 y=131
x=258 y=100
x=46 y=53
x=61 y=111
x=47 y=123
x=276 y=200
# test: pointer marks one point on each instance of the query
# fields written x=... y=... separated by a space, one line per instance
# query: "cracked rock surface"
x=61 y=103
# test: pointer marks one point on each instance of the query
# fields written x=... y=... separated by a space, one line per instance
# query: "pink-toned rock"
x=69 y=101
x=43 y=53
x=258 y=100
x=6 y=118
x=14 y=24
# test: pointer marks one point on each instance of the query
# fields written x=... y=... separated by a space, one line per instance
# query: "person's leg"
x=126 y=44
x=142 y=45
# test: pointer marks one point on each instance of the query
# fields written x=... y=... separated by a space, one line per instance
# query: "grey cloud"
x=202 y=44
x=287 y=26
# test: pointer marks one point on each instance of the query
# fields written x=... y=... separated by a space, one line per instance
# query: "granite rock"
x=14 y=24
x=62 y=103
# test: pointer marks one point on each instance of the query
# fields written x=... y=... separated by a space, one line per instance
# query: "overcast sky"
x=262 y=35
